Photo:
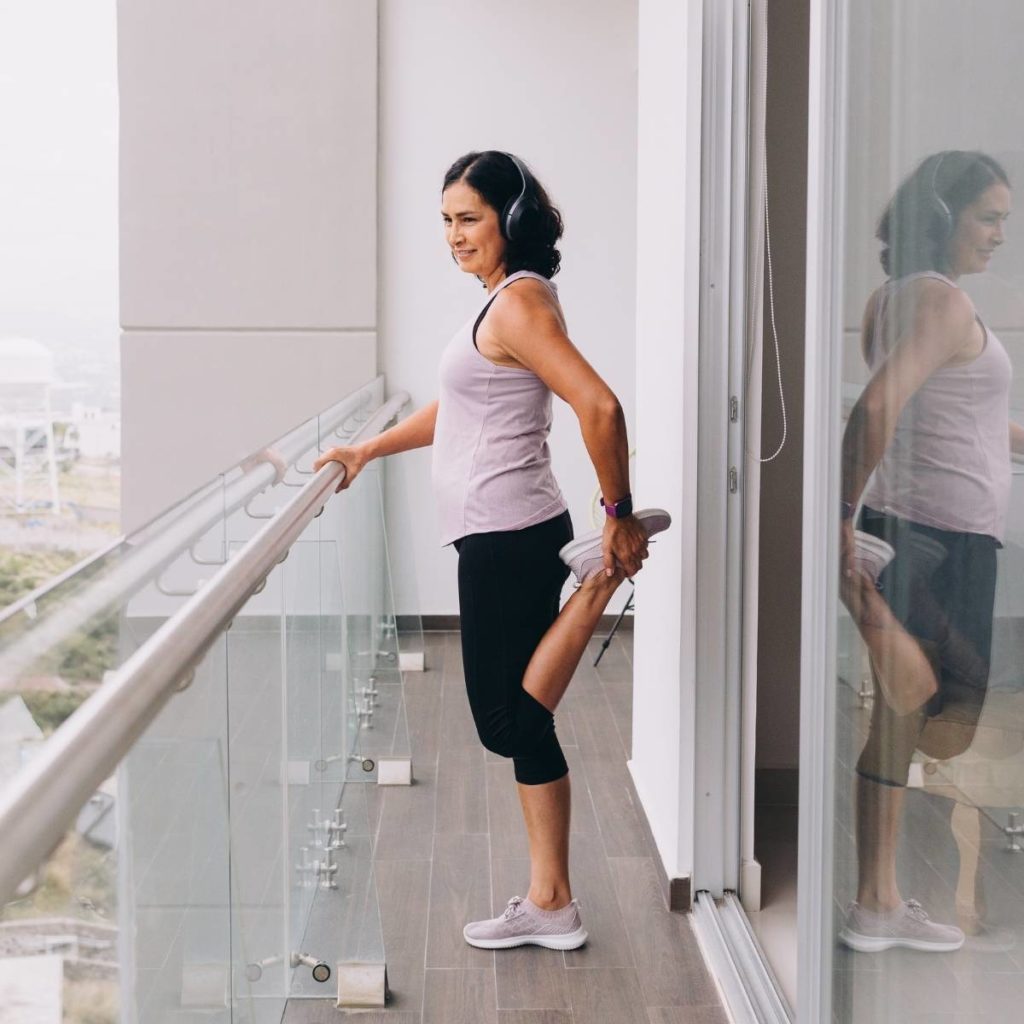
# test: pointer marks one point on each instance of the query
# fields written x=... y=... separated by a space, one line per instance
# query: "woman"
x=927 y=448
x=500 y=506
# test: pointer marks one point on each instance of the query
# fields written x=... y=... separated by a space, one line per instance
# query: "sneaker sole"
x=571 y=940
x=870 y=944
x=882 y=551
x=654 y=520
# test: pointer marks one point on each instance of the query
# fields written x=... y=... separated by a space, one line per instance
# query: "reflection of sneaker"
x=871 y=554
x=908 y=925
x=584 y=555
x=523 y=922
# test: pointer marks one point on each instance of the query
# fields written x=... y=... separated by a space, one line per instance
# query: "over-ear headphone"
x=942 y=210
x=521 y=208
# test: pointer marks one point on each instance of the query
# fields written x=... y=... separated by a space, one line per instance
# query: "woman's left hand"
x=624 y=544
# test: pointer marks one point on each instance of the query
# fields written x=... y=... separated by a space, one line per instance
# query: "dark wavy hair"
x=496 y=178
x=922 y=214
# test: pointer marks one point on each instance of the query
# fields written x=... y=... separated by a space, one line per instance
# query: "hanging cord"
x=768 y=252
x=771 y=308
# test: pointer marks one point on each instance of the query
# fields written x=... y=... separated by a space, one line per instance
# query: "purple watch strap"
x=620 y=509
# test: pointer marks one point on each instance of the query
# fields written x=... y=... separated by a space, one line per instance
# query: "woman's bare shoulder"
x=524 y=299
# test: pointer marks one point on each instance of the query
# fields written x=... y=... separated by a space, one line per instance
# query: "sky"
x=58 y=184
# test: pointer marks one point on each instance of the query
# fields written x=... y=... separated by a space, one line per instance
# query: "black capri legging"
x=941 y=586
x=509 y=587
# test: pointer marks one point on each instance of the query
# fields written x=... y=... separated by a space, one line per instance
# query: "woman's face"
x=471 y=230
x=979 y=231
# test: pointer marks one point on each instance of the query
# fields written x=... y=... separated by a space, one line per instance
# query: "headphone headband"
x=515 y=209
x=943 y=206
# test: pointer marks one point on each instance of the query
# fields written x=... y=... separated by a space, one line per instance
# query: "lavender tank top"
x=948 y=464
x=491 y=466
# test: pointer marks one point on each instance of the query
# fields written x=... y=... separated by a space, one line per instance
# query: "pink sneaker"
x=871 y=554
x=525 y=923
x=907 y=925
x=584 y=554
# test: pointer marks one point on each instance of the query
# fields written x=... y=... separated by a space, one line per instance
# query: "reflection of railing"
x=43 y=800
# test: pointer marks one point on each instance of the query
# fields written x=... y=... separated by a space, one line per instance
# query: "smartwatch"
x=619 y=509
x=846 y=510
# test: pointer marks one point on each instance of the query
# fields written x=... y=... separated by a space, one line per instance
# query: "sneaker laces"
x=513 y=907
x=915 y=910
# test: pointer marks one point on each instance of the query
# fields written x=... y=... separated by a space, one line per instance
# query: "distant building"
x=97 y=432
x=26 y=415
x=19 y=736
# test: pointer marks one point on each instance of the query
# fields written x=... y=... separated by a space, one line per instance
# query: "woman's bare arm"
x=525 y=323
x=415 y=431
x=938 y=329
x=1016 y=439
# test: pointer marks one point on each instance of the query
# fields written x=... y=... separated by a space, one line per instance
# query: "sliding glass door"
x=912 y=789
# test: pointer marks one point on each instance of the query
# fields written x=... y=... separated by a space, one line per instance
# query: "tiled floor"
x=452 y=848
x=984 y=980
x=775 y=923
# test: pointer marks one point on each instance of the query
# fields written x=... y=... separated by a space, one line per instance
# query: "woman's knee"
x=505 y=740
x=496 y=744
x=513 y=731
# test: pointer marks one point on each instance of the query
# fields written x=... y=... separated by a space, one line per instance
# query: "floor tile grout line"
x=614 y=717
x=433 y=828
x=596 y=673
x=490 y=874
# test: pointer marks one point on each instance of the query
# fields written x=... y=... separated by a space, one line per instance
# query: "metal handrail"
x=43 y=800
x=157 y=545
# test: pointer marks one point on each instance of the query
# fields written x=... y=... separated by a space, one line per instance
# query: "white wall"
x=555 y=84
x=781 y=533
x=247 y=228
x=668 y=221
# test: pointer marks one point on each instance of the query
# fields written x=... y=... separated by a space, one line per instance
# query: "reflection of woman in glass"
x=932 y=432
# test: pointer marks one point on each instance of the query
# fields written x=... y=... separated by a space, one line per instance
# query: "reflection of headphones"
x=942 y=210
x=523 y=207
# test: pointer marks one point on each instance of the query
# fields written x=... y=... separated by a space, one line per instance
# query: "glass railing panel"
x=60 y=940
x=128 y=919
x=230 y=811
x=258 y=772
x=56 y=649
x=928 y=891
x=354 y=553
x=176 y=880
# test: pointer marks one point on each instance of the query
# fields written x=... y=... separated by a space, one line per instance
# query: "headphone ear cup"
x=526 y=214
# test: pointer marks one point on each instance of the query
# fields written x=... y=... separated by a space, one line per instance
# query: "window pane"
x=930 y=711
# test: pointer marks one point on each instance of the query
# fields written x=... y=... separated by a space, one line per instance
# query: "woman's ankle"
x=550 y=897
x=879 y=903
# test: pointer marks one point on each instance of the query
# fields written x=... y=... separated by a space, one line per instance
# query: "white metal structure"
x=822 y=405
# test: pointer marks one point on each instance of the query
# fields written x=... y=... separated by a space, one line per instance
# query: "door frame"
x=822 y=412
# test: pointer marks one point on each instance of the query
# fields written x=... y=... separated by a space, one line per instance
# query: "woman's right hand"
x=353 y=458
x=847 y=550
x=851 y=582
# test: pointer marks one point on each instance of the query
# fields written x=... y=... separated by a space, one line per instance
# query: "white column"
x=668 y=252
x=248 y=208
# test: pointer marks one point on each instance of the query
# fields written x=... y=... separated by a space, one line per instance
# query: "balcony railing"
x=180 y=846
